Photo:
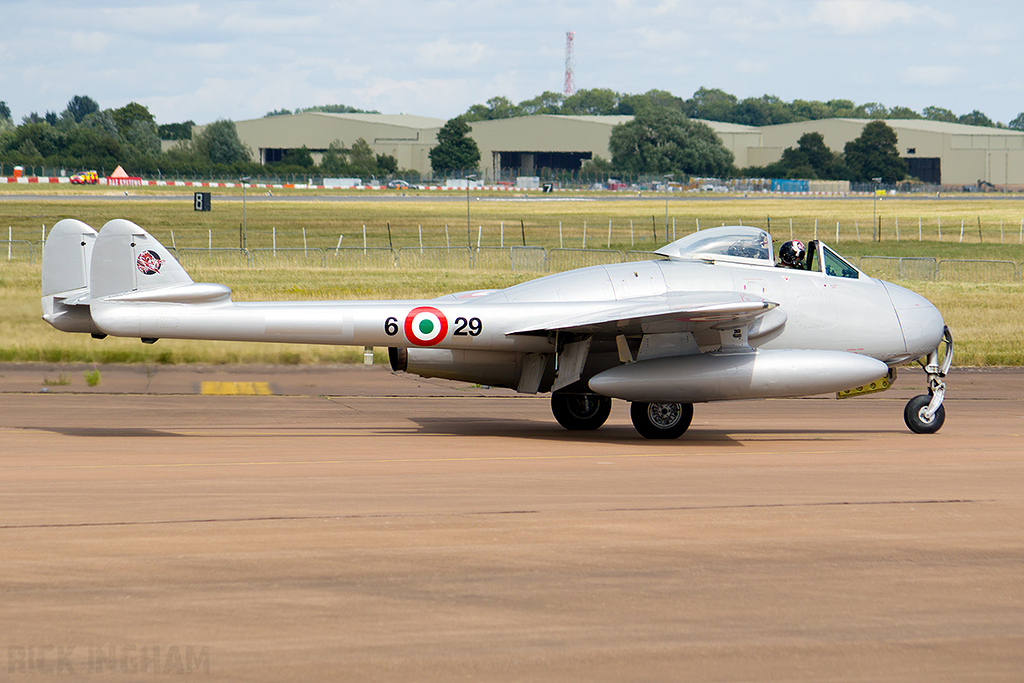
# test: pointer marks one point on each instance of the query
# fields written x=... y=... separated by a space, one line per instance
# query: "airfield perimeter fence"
x=298 y=248
x=520 y=259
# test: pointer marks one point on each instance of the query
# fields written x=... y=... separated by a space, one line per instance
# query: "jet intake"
x=698 y=378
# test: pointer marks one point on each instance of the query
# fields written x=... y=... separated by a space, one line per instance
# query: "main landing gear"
x=578 y=412
x=661 y=420
x=925 y=414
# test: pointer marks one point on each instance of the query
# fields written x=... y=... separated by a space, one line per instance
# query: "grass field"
x=986 y=319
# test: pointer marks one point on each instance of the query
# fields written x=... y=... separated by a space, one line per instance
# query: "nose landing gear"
x=925 y=414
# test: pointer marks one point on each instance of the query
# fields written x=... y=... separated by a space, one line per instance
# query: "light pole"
x=469 y=234
x=245 y=224
x=668 y=177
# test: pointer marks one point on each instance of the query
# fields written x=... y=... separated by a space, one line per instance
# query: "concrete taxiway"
x=359 y=525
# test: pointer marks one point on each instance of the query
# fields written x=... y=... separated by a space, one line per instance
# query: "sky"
x=238 y=60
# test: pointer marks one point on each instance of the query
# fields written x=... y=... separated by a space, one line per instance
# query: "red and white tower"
x=570 y=83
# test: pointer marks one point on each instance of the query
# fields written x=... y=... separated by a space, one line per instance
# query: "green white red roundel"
x=425 y=326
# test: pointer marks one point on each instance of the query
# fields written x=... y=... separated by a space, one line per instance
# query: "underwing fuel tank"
x=760 y=373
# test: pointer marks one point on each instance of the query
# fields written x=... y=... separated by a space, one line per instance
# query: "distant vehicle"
x=711 y=187
x=398 y=185
x=85 y=178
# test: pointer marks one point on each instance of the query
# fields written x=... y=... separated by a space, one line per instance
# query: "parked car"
x=85 y=178
x=398 y=185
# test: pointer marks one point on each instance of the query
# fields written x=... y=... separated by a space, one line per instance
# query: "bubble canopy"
x=735 y=243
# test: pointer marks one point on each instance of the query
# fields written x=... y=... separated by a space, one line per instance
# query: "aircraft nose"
x=921 y=322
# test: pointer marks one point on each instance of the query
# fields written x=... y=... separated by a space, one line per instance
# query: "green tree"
x=903 y=113
x=811 y=159
x=842 y=109
x=141 y=139
x=81 y=106
x=711 y=104
x=219 y=144
x=361 y=160
x=300 y=157
x=386 y=164
x=875 y=155
x=496 y=108
x=939 y=114
x=631 y=104
x=333 y=109
x=766 y=110
x=593 y=102
x=665 y=141
x=102 y=121
x=176 y=131
x=976 y=118
x=335 y=160
x=91 y=148
x=547 y=102
x=455 y=150
x=813 y=110
x=42 y=138
x=5 y=112
x=1018 y=123
x=129 y=114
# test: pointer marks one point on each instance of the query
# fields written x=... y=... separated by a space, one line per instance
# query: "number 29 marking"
x=475 y=327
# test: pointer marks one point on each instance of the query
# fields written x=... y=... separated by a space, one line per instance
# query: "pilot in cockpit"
x=791 y=254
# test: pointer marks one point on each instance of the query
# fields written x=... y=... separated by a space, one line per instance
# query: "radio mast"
x=570 y=83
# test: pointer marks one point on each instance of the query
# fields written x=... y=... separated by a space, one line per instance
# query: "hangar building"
x=407 y=138
x=937 y=152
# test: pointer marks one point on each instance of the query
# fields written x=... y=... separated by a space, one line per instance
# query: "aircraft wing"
x=675 y=312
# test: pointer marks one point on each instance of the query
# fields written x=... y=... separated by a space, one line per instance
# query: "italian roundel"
x=425 y=326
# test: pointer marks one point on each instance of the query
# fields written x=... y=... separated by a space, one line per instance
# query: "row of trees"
x=662 y=138
x=713 y=104
x=84 y=136
x=662 y=141
x=872 y=155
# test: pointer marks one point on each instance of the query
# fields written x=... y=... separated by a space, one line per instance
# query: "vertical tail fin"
x=67 y=260
x=128 y=259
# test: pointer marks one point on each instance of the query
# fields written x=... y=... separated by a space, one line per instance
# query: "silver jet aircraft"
x=714 y=320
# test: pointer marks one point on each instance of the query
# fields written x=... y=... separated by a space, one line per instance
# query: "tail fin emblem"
x=149 y=262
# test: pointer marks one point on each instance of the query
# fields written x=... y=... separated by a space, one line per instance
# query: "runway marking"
x=235 y=389
x=680 y=508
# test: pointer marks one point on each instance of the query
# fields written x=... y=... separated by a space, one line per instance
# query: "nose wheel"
x=924 y=414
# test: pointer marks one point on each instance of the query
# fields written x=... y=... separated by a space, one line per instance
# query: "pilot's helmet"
x=792 y=253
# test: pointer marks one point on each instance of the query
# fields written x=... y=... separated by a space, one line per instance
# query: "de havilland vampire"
x=714 y=319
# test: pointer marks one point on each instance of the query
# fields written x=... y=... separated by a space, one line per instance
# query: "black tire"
x=661 y=420
x=578 y=412
x=912 y=415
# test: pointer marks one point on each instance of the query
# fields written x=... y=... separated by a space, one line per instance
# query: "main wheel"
x=580 y=411
x=661 y=420
x=913 y=415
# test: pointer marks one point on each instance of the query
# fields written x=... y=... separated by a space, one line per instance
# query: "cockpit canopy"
x=733 y=243
x=752 y=246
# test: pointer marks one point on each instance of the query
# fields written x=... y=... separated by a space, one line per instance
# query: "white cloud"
x=933 y=75
x=864 y=16
x=442 y=53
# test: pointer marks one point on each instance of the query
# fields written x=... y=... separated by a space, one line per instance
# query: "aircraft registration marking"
x=428 y=326
x=235 y=389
